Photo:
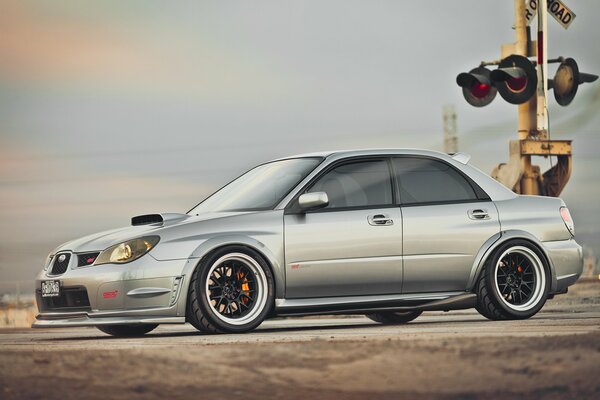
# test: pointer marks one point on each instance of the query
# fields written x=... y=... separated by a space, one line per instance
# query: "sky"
x=110 y=109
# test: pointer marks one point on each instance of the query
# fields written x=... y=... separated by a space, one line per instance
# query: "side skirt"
x=364 y=304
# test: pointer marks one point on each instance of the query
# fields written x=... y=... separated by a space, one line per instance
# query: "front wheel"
x=514 y=283
x=127 y=330
x=231 y=290
x=390 y=317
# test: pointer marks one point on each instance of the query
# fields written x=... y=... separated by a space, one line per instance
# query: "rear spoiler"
x=148 y=219
x=462 y=158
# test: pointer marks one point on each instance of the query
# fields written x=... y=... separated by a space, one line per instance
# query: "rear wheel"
x=127 y=330
x=232 y=290
x=514 y=283
x=398 y=317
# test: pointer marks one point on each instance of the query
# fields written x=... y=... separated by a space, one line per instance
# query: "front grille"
x=70 y=299
x=60 y=264
x=86 y=259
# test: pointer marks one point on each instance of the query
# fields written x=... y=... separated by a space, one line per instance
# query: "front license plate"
x=50 y=288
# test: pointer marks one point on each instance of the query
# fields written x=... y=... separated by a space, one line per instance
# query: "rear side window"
x=357 y=184
x=423 y=180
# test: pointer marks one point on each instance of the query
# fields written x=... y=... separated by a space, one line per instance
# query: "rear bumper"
x=566 y=257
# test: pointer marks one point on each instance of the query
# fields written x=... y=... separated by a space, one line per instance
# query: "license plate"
x=50 y=288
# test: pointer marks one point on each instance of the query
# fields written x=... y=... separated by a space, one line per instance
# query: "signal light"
x=515 y=79
x=477 y=86
x=566 y=81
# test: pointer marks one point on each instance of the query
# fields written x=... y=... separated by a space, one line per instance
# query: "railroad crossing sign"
x=561 y=13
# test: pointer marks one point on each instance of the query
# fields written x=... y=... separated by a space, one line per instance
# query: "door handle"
x=479 y=214
x=380 y=220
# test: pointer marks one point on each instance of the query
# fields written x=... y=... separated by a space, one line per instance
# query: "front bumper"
x=73 y=319
x=143 y=291
x=566 y=257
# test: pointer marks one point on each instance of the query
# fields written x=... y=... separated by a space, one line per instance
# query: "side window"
x=358 y=184
x=423 y=180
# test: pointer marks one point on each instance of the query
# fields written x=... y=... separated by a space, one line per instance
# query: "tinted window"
x=428 y=181
x=260 y=188
x=358 y=184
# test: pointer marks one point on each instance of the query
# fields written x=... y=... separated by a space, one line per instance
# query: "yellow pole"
x=527 y=111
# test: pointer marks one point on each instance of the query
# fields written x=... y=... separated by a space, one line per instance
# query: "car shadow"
x=259 y=331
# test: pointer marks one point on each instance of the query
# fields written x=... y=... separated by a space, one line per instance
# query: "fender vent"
x=147 y=219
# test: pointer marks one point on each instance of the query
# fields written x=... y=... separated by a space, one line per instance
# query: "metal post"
x=450 y=139
x=527 y=111
x=18 y=300
x=542 y=68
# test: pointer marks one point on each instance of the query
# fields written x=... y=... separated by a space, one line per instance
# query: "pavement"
x=455 y=355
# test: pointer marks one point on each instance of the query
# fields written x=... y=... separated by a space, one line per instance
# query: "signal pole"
x=542 y=67
x=527 y=124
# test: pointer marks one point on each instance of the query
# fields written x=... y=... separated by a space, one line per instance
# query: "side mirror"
x=313 y=201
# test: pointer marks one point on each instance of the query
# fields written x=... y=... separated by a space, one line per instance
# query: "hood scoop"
x=149 y=219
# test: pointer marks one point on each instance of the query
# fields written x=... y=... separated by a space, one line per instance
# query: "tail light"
x=566 y=217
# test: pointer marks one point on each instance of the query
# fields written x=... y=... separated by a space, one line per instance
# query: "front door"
x=351 y=247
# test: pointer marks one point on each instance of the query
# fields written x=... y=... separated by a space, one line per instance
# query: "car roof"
x=366 y=152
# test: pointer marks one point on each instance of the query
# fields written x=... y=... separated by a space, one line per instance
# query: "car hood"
x=102 y=240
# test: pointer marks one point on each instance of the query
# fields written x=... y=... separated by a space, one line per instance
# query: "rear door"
x=353 y=246
x=446 y=220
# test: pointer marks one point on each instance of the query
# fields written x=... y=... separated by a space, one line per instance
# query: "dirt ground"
x=555 y=355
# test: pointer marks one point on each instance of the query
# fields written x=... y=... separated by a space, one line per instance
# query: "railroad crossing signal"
x=521 y=78
x=516 y=81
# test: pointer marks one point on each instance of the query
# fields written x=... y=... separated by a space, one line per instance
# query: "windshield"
x=261 y=188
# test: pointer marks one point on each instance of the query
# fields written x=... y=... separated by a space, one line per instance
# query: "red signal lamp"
x=477 y=86
x=515 y=79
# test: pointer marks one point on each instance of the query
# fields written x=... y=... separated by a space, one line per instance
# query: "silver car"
x=385 y=233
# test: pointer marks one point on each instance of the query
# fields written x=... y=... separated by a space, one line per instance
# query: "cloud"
x=112 y=54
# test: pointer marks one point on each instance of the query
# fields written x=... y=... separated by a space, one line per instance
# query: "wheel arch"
x=501 y=238
x=210 y=246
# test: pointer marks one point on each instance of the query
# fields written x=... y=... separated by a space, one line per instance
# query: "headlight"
x=127 y=251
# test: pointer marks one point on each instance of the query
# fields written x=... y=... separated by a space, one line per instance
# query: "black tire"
x=391 y=317
x=491 y=304
x=127 y=330
x=203 y=315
